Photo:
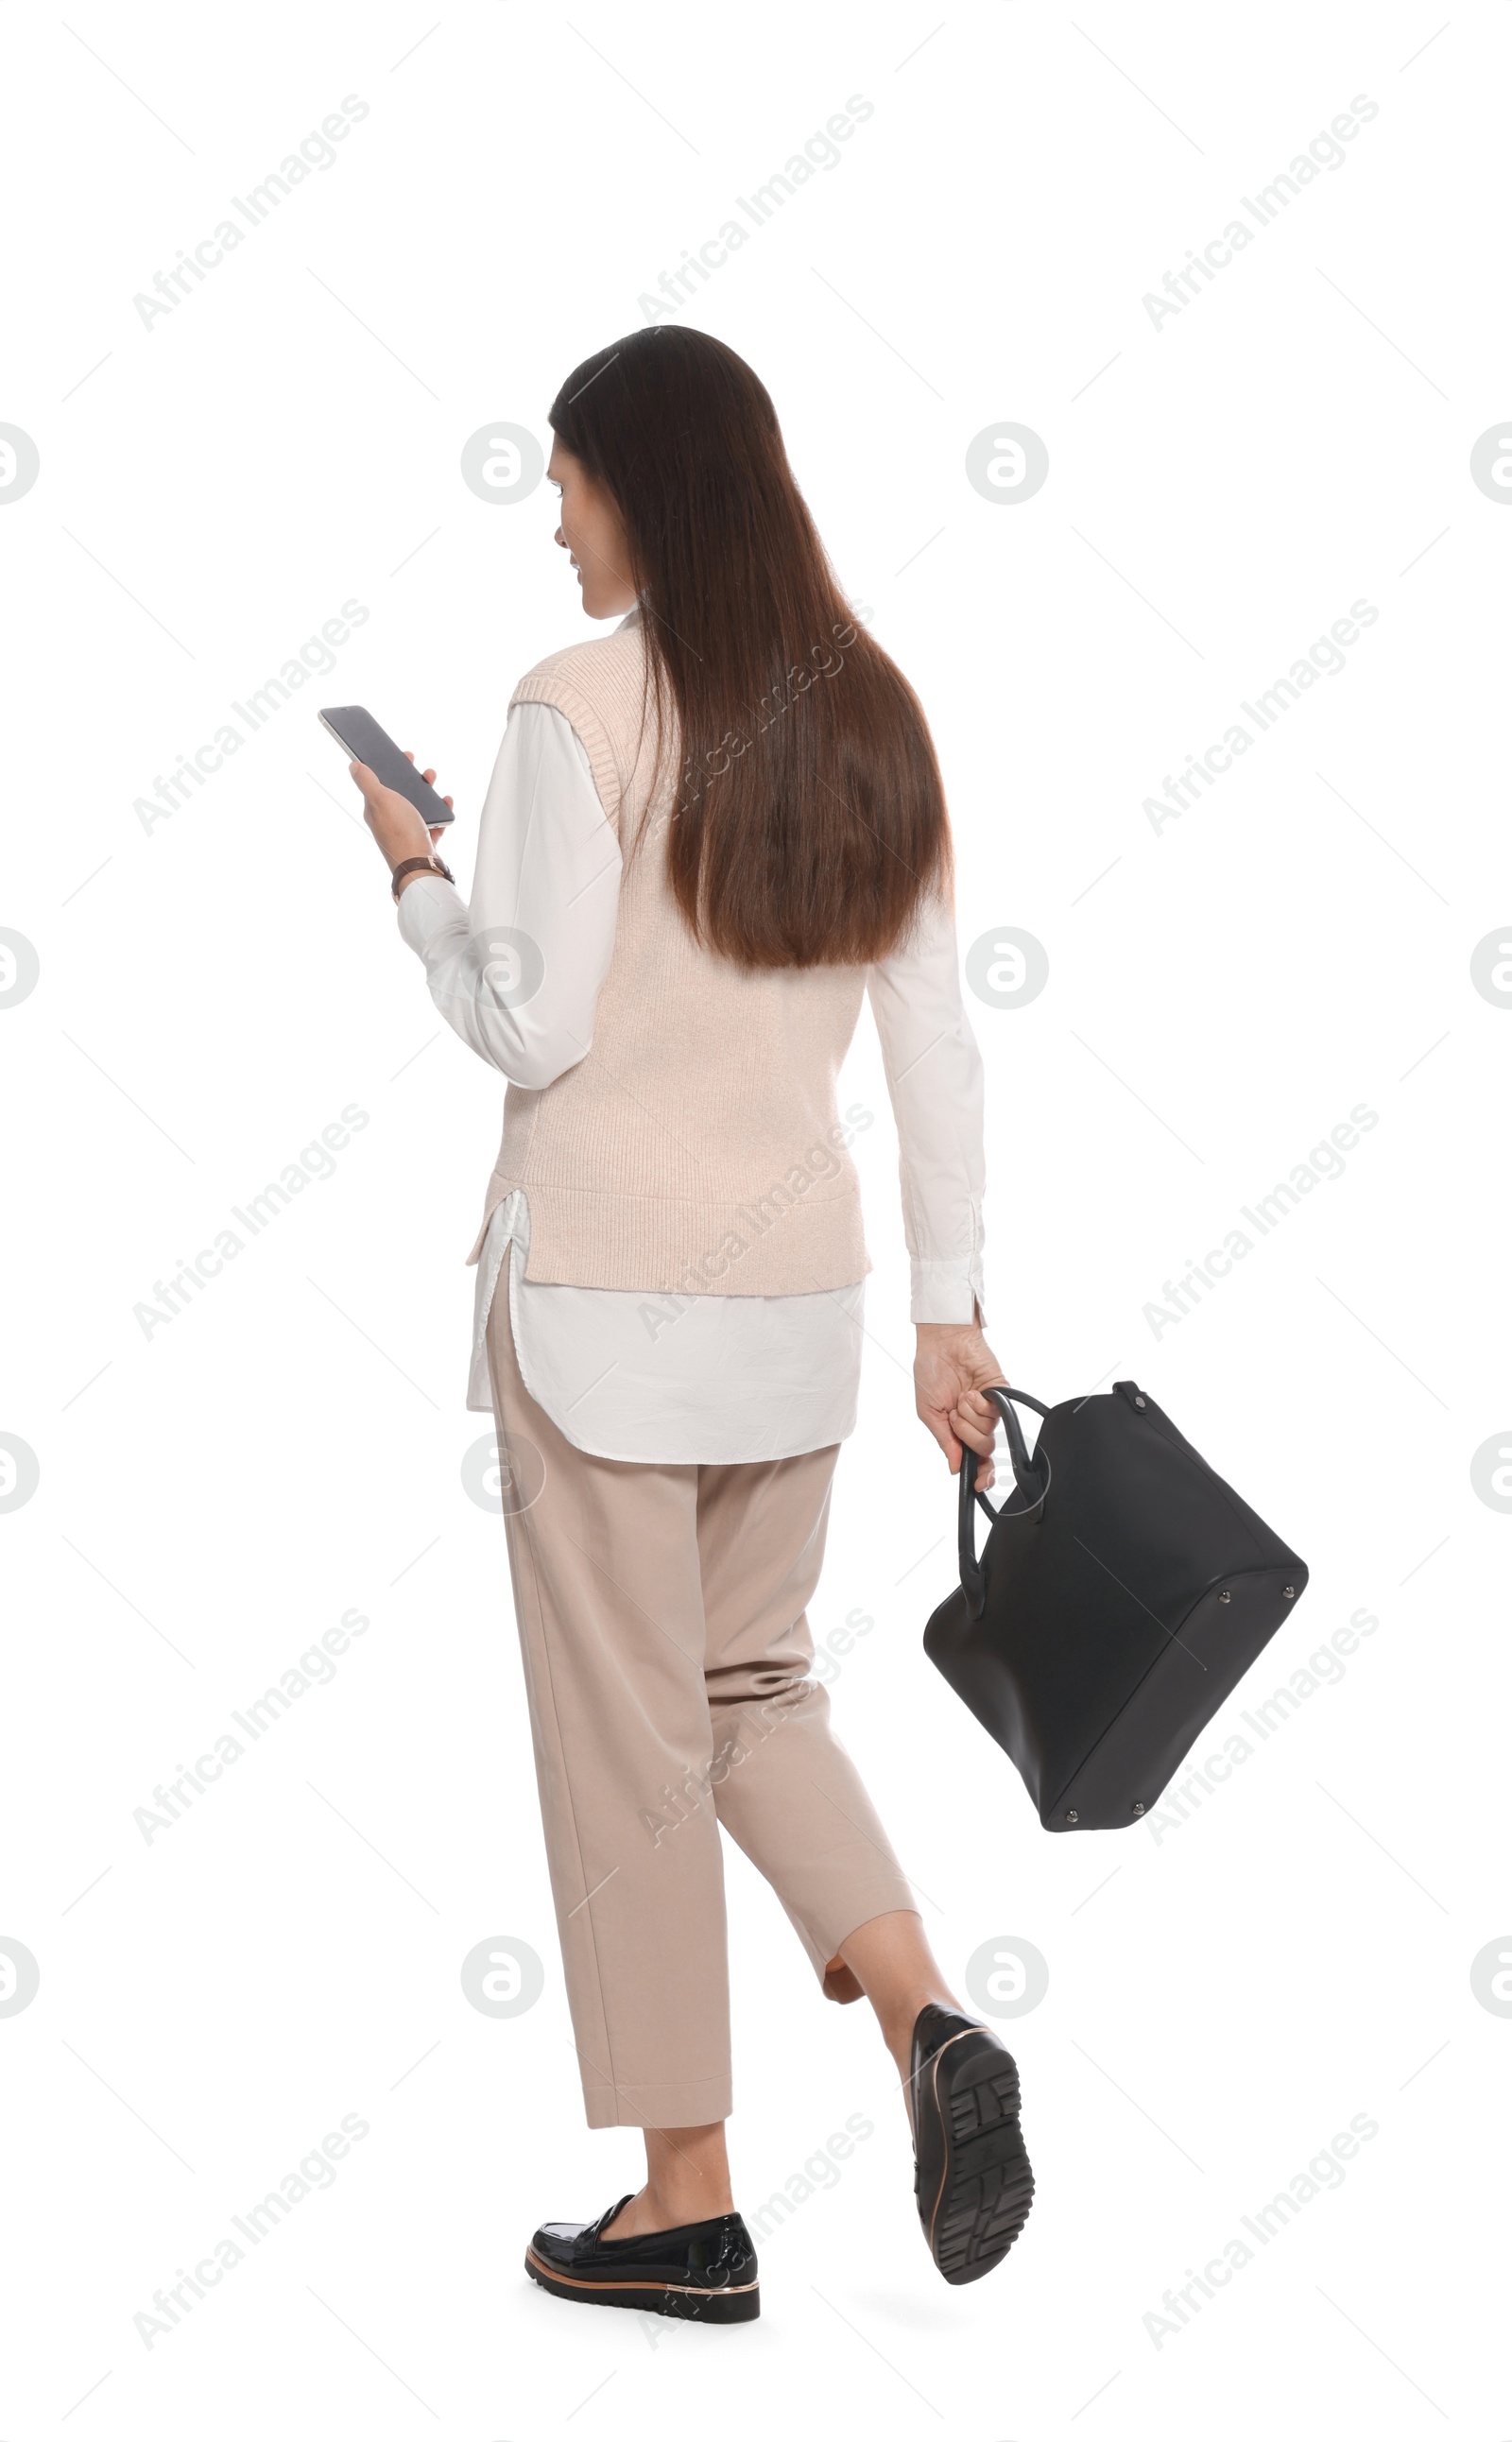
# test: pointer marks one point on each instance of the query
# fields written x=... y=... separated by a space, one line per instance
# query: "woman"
x=707 y=834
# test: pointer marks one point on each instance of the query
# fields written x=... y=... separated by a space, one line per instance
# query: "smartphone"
x=356 y=732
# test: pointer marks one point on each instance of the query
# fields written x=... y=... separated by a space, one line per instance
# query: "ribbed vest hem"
x=587 y=1238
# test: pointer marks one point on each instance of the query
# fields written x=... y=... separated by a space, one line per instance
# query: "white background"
x=1223 y=1998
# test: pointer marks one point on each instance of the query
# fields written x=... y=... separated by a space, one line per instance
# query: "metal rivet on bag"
x=1139 y=1402
x=1288 y=1592
x=1071 y=1814
x=1138 y=1806
x=1226 y=1596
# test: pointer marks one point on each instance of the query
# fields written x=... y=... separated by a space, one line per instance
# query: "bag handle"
x=1031 y=1475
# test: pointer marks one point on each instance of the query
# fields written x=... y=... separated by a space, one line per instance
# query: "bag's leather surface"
x=1123 y=1592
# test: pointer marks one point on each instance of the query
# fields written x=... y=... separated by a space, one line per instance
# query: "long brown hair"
x=811 y=819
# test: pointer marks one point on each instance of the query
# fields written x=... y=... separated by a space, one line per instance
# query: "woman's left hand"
x=400 y=830
x=952 y=1365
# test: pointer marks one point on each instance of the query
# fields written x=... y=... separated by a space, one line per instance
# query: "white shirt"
x=705 y=1380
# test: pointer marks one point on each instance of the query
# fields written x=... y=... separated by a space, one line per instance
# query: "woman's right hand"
x=398 y=827
x=952 y=1366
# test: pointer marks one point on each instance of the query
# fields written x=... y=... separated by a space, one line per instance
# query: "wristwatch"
x=420 y=864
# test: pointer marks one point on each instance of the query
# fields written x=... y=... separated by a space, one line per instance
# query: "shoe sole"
x=986 y=2185
x=677 y=2299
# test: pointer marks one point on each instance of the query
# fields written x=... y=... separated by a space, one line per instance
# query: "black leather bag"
x=1123 y=1592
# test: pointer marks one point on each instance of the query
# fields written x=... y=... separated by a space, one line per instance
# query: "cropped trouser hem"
x=658 y=2107
x=667 y=1659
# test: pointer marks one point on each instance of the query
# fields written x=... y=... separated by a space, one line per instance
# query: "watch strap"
x=420 y=864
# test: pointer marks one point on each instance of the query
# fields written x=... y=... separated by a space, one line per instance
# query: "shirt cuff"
x=426 y=907
x=948 y=1293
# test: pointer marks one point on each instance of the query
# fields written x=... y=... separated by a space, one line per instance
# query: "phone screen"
x=353 y=727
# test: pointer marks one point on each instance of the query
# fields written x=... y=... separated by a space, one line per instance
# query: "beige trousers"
x=666 y=1653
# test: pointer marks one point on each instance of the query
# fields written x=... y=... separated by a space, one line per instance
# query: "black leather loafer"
x=971 y=2176
x=704 y=2272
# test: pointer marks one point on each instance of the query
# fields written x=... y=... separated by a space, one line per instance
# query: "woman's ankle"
x=676 y=2206
x=897 y=1972
x=687 y=2175
x=901 y=2016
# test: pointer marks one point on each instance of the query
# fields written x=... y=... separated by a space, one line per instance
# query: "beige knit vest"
x=697 y=1148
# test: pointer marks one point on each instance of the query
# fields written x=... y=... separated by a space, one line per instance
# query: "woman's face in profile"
x=591 y=532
